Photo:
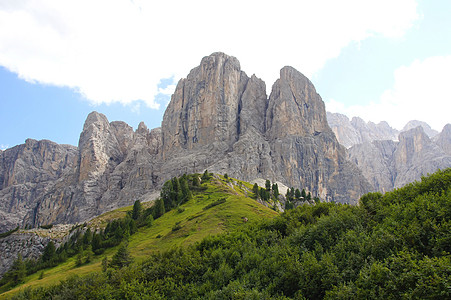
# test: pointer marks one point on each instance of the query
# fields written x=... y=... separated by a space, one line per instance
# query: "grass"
x=194 y=222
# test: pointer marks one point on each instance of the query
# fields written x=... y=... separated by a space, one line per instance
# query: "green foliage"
x=16 y=274
x=255 y=190
x=268 y=185
x=49 y=226
x=121 y=258
x=159 y=208
x=137 y=210
x=8 y=233
x=275 y=190
x=213 y=204
x=297 y=195
x=391 y=246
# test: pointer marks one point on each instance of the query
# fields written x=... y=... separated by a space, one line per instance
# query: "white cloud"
x=420 y=92
x=119 y=50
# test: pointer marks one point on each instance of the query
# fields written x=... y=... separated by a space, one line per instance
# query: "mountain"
x=357 y=131
x=415 y=123
x=218 y=119
x=197 y=218
x=389 y=164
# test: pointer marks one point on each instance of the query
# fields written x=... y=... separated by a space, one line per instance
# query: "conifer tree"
x=137 y=210
x=275 y=190
x=159 y=208
x=167 y=194
x=122 y=257
x=49 y=252
x=186 y=193
x=17 y=272
x=268 y=185
x=255 y=189
x=297 y=194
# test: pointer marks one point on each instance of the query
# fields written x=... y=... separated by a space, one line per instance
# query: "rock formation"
x=357 y=131
x=415 y=123
x=388 y=164
x=218 y=119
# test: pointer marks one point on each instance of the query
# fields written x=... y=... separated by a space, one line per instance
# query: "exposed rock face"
x=30 y=245
x=415 y=123
x=357 y=131
x=221 y=119
x=218 y=119
x=443 y=140
x=388 y=165
x=27 y=173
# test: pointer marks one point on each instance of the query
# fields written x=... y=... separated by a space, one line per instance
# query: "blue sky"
x=380 y=60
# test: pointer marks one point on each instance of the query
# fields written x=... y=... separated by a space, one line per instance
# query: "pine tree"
x=177 y=196
x=303 y=194
x=268 y=185
x=297 y=194
x=255 y=189
x=17 y=272
x=186 y=192
x=159 y=208
x=49 y=252
x=275 y=190
x=167 y=194
x=137 y=210
x=206 y=176
x=122 y=257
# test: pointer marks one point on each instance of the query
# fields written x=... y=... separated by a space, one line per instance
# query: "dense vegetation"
x=84 y=243
x=391 y=246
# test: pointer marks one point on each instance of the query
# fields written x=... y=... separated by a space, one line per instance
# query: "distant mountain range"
x=390 y=159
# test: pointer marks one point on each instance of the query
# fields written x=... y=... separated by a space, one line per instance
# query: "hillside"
x=391 y=246
x=190 y=223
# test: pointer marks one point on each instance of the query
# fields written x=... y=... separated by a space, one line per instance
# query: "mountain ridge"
x=218 y=119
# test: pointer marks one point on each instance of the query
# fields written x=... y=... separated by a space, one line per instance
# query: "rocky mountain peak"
x=97 y=119
x=415 y=123
x=294 y=106
x=218 y=119
x=204 y=107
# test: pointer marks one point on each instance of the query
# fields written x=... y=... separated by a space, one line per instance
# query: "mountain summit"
x=218 y=119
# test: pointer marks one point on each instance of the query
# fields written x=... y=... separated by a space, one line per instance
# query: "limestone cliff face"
x=204 y=108
x=388 y=165
x=218 y=119
x=27 y=173
x=232 y=127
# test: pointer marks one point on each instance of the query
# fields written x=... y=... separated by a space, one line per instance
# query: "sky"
x=380 y=60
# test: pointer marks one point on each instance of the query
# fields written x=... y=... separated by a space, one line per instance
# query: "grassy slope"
x=196 y=223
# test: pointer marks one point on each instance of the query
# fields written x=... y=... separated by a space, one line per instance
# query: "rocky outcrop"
x=221 y=119
x=218 y=119
x=29 y=245
x=27 y=173
x=388 y=164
